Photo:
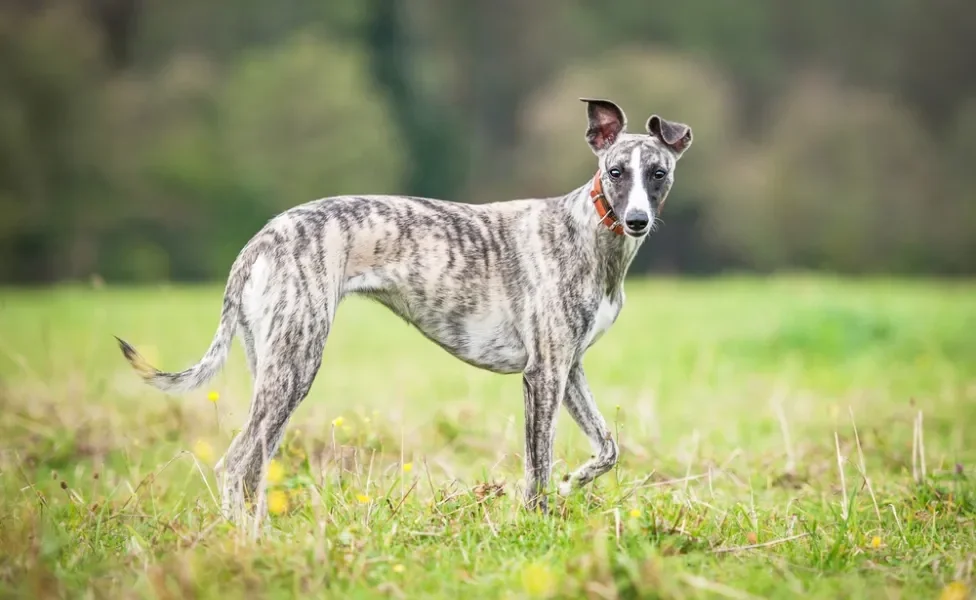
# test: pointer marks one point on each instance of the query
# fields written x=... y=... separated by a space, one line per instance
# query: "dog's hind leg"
x=282 y=383
x=286 y=364
x=246 y=335
x=583 y=409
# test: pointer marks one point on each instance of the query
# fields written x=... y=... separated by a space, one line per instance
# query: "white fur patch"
x=485 y=333
x=252 y=296
x=606 y=314
x=363 y=282
x=637 y=198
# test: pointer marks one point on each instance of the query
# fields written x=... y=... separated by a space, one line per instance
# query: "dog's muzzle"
x=637 y=223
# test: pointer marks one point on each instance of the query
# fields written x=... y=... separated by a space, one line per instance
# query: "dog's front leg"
x=583 y=409
x=543 y=389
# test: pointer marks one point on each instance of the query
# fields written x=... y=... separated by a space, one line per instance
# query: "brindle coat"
x=522 y=286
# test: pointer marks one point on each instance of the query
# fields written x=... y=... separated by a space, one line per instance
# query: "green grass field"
x=735 y=401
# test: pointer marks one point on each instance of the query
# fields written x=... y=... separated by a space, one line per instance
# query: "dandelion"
x=956 y=590
x=399 y=568
x=407 y=467
x=203 y=451
x=337 y=422
x=277 y=502
x=538 y=581
x=276 y=472
x=634 y=513
x=875 y=542
x=213 y=396
x=363 y=498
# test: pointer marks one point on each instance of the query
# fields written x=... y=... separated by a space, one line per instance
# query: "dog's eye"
x=614 y=172
x=659 y=174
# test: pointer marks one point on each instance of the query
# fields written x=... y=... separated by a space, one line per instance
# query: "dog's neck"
x=613 y=251
x=601 y=204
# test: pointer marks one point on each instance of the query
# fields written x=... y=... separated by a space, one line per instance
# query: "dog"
x=520 y=286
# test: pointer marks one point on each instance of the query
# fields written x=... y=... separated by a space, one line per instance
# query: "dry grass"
x=781 y=437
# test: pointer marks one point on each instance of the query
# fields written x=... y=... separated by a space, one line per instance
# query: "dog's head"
x=636 y=170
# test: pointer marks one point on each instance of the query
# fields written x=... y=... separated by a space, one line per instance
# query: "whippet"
x=521 y=286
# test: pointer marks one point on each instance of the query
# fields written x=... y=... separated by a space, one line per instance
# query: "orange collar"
x=603 y=207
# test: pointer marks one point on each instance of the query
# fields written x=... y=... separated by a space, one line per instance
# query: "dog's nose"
x=637 y=220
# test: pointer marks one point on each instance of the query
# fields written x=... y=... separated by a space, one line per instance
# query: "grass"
x=779 y=437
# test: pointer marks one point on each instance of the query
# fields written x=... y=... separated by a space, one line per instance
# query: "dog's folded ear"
x=605 y=121
x=676 y=136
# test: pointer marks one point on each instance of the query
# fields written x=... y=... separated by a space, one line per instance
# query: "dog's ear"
x=605 y=121
x=676 y=136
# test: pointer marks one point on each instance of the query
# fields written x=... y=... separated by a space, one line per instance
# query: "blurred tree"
x=738 y=37
x=117 y=20
x=53 y=196
x=429 y=126
x=147 y=139
x=822 y=194
x=305 y=121
x=509 y=48
x=934 y=48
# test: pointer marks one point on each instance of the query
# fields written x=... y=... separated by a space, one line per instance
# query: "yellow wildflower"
x=875 y=542
x=407 y=467
x=956 y=590
x=203 y=451
x=362 y=498
x=399 y=568
x=634 y=513
x=276 y=472
x=337 y=422
x=277 y=502
x=538 y=581
x=213 y=396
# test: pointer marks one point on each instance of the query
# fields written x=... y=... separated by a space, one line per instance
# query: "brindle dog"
x=522 y=286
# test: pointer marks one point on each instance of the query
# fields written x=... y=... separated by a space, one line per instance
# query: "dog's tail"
x=213 y=360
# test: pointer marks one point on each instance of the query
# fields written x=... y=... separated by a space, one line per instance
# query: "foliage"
x=146 y=140
x=304 y=117
x=822 y=149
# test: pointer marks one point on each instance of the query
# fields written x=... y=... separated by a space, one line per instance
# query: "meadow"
x=780 y=437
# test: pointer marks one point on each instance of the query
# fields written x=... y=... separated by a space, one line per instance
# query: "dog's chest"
x=488 y=340
x=606 y=314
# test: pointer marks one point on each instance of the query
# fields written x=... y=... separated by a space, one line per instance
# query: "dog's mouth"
x=637 y=233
